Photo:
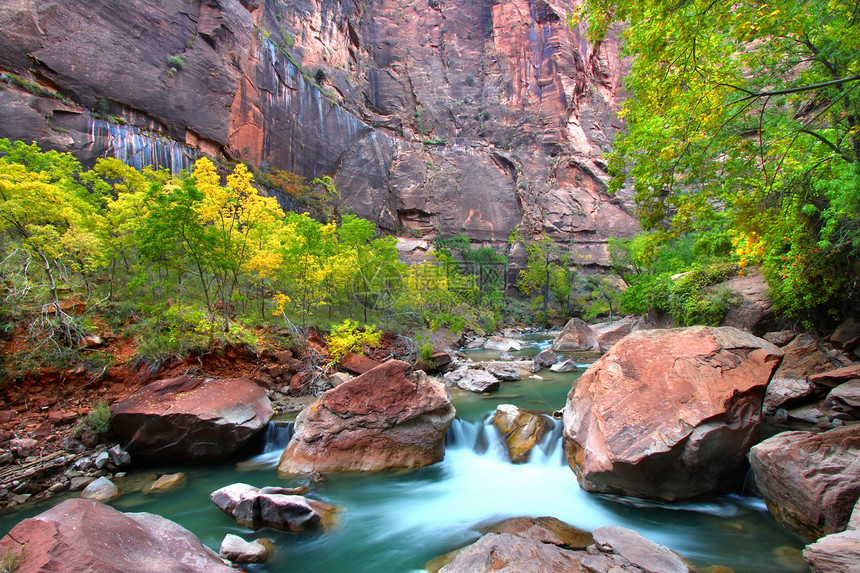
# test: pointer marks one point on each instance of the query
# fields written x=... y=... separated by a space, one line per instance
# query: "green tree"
x=52 y=222
x=549 y=270
x=744 y=124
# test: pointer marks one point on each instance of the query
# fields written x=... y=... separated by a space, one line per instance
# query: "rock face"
x=274 y=507
x=430 y=116
x=810 y=481
x=755 y=311
x=668 y=414
x=577 y=335
x=82 y=535
x=192 y=419
x=385 y=418
x=522 y=430
x=790 y=384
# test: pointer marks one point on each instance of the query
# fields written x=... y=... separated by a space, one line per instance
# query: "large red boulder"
x=668 y=414
x=82 y=535
x=191 y=419
x=385 y=418
x=810 y=481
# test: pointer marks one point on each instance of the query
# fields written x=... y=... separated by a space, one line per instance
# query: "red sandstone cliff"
x=434 y=116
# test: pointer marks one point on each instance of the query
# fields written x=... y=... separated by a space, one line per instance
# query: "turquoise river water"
x=396 y=521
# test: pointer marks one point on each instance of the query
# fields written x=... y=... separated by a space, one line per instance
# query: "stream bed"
x=396 y=521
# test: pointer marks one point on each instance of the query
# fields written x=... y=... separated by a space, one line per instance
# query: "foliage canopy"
x=743 y=130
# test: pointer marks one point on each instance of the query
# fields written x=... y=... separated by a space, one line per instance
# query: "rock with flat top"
x=502 y=344
x=191 y=419
x=473 y=380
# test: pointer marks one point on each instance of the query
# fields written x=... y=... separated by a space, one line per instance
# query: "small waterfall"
x=484 y=439
x=277 y=437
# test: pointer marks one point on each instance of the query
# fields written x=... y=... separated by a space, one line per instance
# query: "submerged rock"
x=522 y=430
x=810 y=481
x=192 y=419
x=166 y=482
x=275 y=507
x=668 y=414
x=101 y=489
x=82 y=535
x=385 y=418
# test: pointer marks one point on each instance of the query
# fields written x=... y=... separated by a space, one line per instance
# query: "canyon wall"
x=432 y=116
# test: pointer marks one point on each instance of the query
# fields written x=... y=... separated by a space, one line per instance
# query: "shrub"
x=10 y=560
x=348 y=337
x=176 y=62
x=319 y=76
x=98 y=420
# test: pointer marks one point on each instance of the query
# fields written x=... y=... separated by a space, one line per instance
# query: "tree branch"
x=827 y=142
x=800 y=89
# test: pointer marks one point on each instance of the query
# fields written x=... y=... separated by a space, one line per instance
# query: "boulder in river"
x=472 y=380
x=502 y=344
x=386 y=418
x=577 y=335
x=279 y=508
x=101 y=489
x=810 y=481
x=237 y=550
x=192 y=419
x=545 y=358
x=668 y=414
x=83 y=535
x=521 y=430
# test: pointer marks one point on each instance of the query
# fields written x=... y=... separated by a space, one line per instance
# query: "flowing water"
x=396 y=521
